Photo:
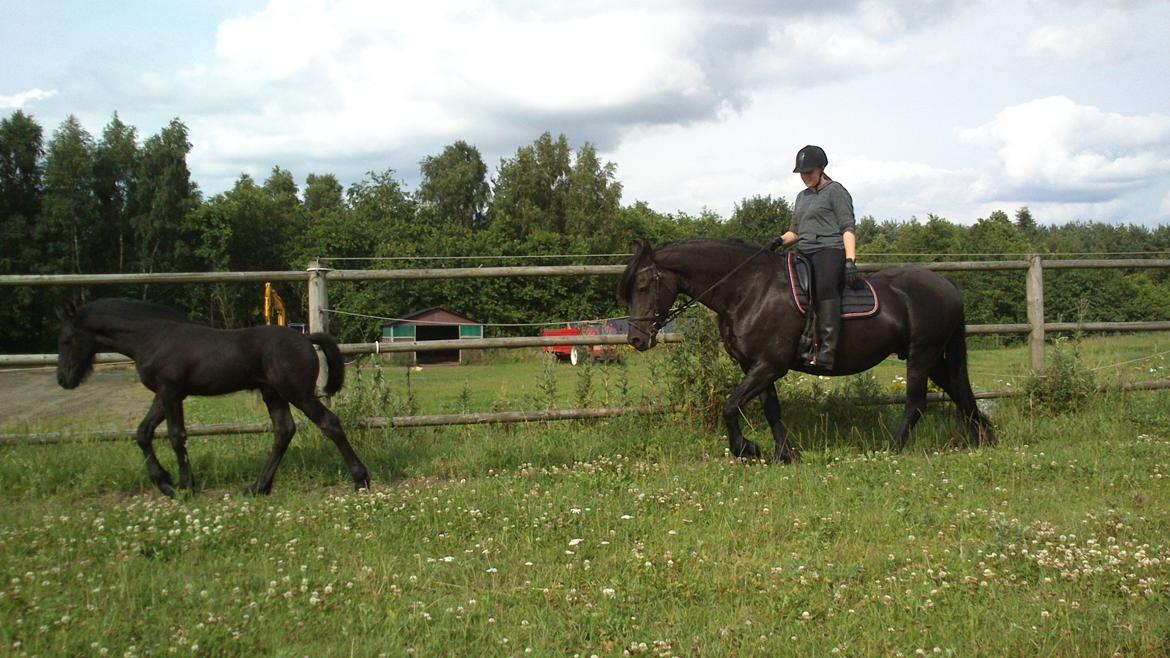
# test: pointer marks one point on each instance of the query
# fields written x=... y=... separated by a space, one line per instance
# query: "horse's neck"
x=714 y=281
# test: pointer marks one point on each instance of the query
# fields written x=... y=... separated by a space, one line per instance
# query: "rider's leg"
x=829 y=265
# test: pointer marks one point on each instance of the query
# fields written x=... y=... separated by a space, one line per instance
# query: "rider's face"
x=813 y=178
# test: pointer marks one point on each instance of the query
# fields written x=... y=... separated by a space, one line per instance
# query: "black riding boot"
x=828 y=332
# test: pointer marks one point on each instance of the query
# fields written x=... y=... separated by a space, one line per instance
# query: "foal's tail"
x=333 y=362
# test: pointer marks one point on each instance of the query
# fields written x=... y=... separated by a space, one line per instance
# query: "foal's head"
x=76 y=347
x=648 y=292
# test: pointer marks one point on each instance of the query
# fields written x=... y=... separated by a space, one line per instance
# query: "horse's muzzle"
x=643 y=341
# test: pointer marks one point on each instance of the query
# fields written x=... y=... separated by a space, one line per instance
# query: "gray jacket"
x=819 y=218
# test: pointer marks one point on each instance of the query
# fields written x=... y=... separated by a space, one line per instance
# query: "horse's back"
x=928 y=301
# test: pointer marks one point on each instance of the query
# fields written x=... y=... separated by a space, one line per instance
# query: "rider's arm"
x=850 y=240
x=789 y=238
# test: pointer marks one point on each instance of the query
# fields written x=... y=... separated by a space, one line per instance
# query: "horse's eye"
x=643 y=288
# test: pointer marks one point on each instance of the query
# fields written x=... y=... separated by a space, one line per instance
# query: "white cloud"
x=1107 y=36
x=364 y=78
x=1053 y=148
x=21 y=99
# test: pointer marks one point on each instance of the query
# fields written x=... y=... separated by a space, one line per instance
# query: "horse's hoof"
x=749 y=453
x=167 y=489
x=788 y=458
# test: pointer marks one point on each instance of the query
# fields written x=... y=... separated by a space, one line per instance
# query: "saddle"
x=856 y=302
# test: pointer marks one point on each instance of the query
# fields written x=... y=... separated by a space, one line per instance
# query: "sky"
x=946 y=107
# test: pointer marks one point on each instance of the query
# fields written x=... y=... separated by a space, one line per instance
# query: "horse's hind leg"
x=958 y=388
x=283 y=429
x=916 y=374
x=177 y=433
x=784 y=452
x=145 y=438
x=331 y=427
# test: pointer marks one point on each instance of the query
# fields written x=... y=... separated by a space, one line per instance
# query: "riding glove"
x=776 y=244
x=852 y=274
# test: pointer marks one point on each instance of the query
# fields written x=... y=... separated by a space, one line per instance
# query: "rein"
x=661 y=320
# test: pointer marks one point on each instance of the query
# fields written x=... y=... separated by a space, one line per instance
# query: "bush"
x=699 y=374
x=1066 y=383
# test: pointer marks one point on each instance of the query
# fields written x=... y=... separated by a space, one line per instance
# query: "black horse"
x=921 y=321
x=176 y=358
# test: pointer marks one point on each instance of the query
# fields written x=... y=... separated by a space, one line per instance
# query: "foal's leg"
x=145 y=437
x=331 y=427
x=784 y=452
x=283 y=429
x=759 y=377
x=177 y=433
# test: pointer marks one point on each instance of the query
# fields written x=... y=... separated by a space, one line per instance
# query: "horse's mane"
x=129 y=309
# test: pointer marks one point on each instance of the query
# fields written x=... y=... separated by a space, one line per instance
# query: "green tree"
x=23 y=311
x=115 y=163
x=991 y=297
x=530 y=188
x=1026 y=224
x=21 y=148
x=454 y=188
x=758 y=219
x=68 y=226
x=323 y=194
x=164 y=195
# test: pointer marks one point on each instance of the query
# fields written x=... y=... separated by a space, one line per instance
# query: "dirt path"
x=111 y=398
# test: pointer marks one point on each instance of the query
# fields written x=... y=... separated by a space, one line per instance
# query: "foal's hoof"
x=361 y=485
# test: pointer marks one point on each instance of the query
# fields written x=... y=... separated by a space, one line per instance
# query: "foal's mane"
x=131 y=310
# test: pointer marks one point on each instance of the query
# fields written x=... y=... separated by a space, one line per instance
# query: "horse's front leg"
x=177 y=433
x=759 y=377
x=784 y=452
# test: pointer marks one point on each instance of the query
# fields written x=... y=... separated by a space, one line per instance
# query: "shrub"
x=1066 y=383
x=699 y=374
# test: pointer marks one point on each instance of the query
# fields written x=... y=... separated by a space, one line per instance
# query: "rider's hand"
x=852 y=274
x=776 y=244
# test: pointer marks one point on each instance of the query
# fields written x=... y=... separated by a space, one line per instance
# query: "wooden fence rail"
x=317 y=277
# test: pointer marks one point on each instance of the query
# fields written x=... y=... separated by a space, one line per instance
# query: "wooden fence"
x=317 y=278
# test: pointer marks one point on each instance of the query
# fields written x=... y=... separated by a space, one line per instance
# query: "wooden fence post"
x=1035 y=296
x=318 y=317
x=318 y=298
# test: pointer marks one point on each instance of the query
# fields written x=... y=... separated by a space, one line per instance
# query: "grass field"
x=622 y=537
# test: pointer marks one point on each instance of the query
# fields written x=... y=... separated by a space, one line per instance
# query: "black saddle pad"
x=856 y=302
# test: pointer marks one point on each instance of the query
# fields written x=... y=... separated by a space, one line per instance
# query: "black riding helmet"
x=809 y=158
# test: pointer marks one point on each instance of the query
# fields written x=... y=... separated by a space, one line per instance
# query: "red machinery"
x=577 y=354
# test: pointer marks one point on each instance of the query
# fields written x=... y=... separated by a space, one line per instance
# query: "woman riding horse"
x=822 y=228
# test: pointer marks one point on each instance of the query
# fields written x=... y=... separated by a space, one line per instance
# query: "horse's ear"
x=641 y=247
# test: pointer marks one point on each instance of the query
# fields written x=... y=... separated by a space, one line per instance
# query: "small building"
x=433 y=324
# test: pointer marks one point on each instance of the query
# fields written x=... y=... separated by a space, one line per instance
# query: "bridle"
x=660 y=319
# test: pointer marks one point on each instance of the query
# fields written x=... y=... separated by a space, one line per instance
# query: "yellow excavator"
x=273 y=306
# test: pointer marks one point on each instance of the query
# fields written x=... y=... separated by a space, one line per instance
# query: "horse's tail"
x=960 y=380
x=334 y=364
